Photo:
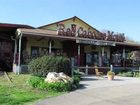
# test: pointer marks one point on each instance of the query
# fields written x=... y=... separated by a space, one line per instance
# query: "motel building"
x=84 y=45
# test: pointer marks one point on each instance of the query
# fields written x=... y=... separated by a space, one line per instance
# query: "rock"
x=57 y=77
x=65 y=77
x=52 y=77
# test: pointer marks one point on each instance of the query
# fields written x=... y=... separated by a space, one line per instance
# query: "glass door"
x=92 y=58
x=95 y=58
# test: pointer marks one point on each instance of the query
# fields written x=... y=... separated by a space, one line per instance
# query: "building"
x=7 y=37
x=76 y=39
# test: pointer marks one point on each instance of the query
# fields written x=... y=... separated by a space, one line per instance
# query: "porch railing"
x=28 y=58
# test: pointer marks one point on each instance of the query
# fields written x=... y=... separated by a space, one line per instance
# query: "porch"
x=32 y=43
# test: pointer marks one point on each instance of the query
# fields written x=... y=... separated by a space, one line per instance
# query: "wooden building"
x=7 y=43
x=76 y=39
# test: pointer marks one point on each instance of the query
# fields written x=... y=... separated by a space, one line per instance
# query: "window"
x=34 y=51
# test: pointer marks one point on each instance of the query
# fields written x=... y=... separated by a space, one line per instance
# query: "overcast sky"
x=117 y=15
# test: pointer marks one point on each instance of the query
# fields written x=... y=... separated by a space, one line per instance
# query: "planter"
x=110 y=77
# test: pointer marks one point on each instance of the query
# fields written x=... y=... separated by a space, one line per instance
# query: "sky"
x=121 y=16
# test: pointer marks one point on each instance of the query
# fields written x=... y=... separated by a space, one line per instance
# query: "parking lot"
x=100 y=91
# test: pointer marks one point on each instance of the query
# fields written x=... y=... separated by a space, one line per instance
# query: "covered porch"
x=84 y=53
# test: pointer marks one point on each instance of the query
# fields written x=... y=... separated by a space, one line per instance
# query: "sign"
x=93 y=42
x=81 y=32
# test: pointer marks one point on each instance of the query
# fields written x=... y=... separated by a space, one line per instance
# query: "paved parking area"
x=100 y=91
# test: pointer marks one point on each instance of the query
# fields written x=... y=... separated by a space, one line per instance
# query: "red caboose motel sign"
x=81 y=32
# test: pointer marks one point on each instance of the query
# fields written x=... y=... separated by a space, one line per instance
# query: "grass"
x=19 y=92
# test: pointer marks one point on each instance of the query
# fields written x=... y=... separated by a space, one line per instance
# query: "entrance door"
x=89 y=59
x=92 y=58
x=95 y=58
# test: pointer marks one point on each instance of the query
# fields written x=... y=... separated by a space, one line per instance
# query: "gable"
x=75 y=27
x=68 y=24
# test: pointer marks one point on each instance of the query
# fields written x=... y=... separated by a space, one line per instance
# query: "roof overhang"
x=11 y=28
x=54 y=34
x=8 y=25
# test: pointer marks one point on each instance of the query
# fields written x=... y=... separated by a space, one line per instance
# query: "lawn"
x=19 y=92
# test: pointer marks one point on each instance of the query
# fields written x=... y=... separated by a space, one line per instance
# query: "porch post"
x=50 y=47
x=78 y=55
x=15 y=51
x=124 y=57
x=111 y=67
x=103 y=51
x=102 y=56
x=19 y=54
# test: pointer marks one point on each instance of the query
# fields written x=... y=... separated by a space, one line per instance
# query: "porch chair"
x=98 y=73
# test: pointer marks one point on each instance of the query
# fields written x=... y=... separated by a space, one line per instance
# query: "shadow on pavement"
x=89 y=79
x=83 y=86
x=118 y=80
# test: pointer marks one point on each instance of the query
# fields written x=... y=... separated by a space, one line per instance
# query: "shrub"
x=38 y=82
x=42 y=65
x=76 y=81
x=137 y=74
x=35 y=81
x=58 y=86
x=126 y=74
x=42 y=85
x=78 y=74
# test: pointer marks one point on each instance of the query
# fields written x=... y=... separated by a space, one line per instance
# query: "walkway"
x=121 y=91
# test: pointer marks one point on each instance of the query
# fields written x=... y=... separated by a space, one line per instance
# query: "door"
x=95 y=58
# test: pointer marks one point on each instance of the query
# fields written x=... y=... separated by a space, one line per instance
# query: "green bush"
x=42 y=65
x=126 y=74
x=78 y=74
x=58 y=86
x=38 y=82
x=137 y=74
x=42 y=85
x=35 y=81
x=76 y=81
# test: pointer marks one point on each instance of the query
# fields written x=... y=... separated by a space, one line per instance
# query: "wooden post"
x=14 y=60
x=86 y=70
x=15 y=51
x=19 y=54
x=103 y=51
x=50 y=47
x=102 y=56
x=78 y=55
x=124 y=57
x=111 y=67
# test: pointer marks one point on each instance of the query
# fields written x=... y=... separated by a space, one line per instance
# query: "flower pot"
x=110 y=77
